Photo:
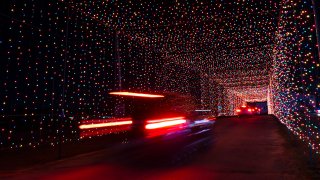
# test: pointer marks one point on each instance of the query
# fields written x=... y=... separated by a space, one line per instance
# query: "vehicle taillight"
x=98 y=127
x=133 y=94
x=165 y=122
x=164 y=126
x=238 y=110
x=249 y=110
x=105 y=123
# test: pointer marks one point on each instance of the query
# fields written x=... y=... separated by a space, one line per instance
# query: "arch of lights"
x=68 y=55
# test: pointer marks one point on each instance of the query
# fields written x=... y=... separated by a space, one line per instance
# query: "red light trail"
x=107 y=124
x=166 y=122
x=137 y=94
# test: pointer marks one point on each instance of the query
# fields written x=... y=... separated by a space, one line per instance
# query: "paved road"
x=241 y=148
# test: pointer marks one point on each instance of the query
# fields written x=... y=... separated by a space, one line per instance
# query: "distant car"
x=247 y=110
x=316 y=112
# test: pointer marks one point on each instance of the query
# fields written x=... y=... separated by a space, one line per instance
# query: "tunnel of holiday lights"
x=60 y=59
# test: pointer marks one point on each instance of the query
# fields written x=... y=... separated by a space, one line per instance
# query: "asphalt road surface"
x=240 y=148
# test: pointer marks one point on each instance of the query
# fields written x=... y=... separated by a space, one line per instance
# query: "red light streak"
x=99 y=127
x=107 y=124
x=166 y=122
x=136 y=94
x=211 y=118
x=165 y=119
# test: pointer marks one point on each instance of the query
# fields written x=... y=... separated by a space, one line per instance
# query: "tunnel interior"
x=65 y=56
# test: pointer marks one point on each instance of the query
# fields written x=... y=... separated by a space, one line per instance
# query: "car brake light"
x=249 y=110
x=125 y=121
x=238 y=110
x=166 y=122
x=133 y=94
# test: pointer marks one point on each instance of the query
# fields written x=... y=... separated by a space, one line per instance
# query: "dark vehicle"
x=170 y=115
x=148 y=116
x=167 y=126
x=247 y=110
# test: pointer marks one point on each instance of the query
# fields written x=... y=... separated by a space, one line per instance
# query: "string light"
x=295 y=73
x=64 y=56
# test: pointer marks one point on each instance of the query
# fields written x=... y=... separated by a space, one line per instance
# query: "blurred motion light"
x=202 y=121
x=136 y=94
x=107 y=124
x=203 y=110
x=166 y=122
